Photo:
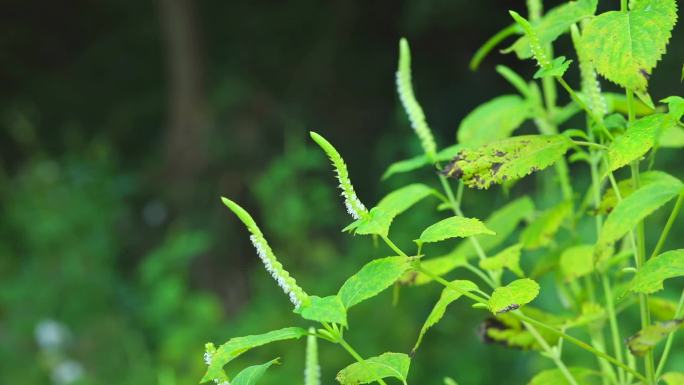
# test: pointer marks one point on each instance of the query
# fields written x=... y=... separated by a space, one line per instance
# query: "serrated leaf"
x=640 y=137
x=312 y=369
x=556 y=377
x=453 y=227
x=557 y=68
x=236 y=346
x=448 y=296
x=386 y=365
x=650 y=277
x=372 y=279
x=626 y=187
x=408 y=100
x=541 y=231
x=634 y=209
x=626 y=46
x=380 y=217
x=673 y=378
x=647 y=338
x=514 y=295
x=553 y=24
x=252 y=374
x=326 y=309
x=507 y=160
x=493 y=120
x=577 y=261
x=503 y=222
x=508 y=258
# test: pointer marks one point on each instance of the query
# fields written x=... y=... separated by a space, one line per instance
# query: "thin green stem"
x=580 y=344
x=590 y=113
x=448 y=284
x=614 y=330
x=480 y=274
x=668 y=344
x=623 y=5
x=341 y=341
x=490 y=44
x=552 y=353
x=590 y=144
x=668 y=225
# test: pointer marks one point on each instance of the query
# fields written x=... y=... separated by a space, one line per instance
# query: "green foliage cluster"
x=607 y=273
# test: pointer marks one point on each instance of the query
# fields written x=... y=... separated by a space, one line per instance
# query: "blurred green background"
x=122 y=122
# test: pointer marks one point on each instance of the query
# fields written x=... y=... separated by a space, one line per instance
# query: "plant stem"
x=341 y=341
x=590 y=144
x=490 y=44
x=614 y=330
x=551 y=353
x=668 y=225
x=590 y=113
x=668 y=344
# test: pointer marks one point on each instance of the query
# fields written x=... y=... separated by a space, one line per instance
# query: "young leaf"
x=508 y=258
x=419 y=161
x=625 y=46
x=503 y=222
x=540 y=233
x=577 y=261
x=493 y=120
x=312 y=370
x=236 y=346
x=289 y=285
x=637 y=140
x=451 y=228
x=553 y=24
x=514 y=295
x=386 y=365
x=646 y=339
x=673 y=378
x=354 y=206
x=252 y=374
x=556 y=377
x=408 y=100
x=507 y=160
x=633 y=209
x=393 y=204
x=326 y=309
x=557 y=68
x=626 y=187
x=372 y=279
x=448 y=296
x=675 y=106
x=650 y=277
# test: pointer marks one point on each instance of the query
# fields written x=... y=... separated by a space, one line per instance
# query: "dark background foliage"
x=122 y=122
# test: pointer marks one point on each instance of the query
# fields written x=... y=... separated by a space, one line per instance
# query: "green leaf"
x=509 y=331
x=541 y=232
x=553 y=24
x=673 y=378
x=672 y=137
x=326 y=309
x=577 y=261
x=650 y=277
x=312 y=369
x=507 y=160
x=647 y=338
x=236 y=346
x=448 y=296
x=453 y=227
x=640 y=136
x=372 y=279
x=556 y=377
x=618 y=103
x=493 y=120
x=419 y=161
x=626 y=46
x=508 y=258
x=675 y=106
x=514 y=295
x=354 y=206
x=252 y=374
x=503 y=222
x=408 y=100
x=626 y=188
x=661 y=308
x=557 y=68
x=386 y=365
x=633 y=210
x=395 y=203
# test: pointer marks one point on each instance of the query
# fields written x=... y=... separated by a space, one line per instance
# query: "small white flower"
x=277 y=274
x=208 y=357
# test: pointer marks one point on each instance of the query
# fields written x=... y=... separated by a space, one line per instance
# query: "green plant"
x=600 y=275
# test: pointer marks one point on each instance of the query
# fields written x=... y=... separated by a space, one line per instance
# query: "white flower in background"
x=50 y=334
x=67 y=372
